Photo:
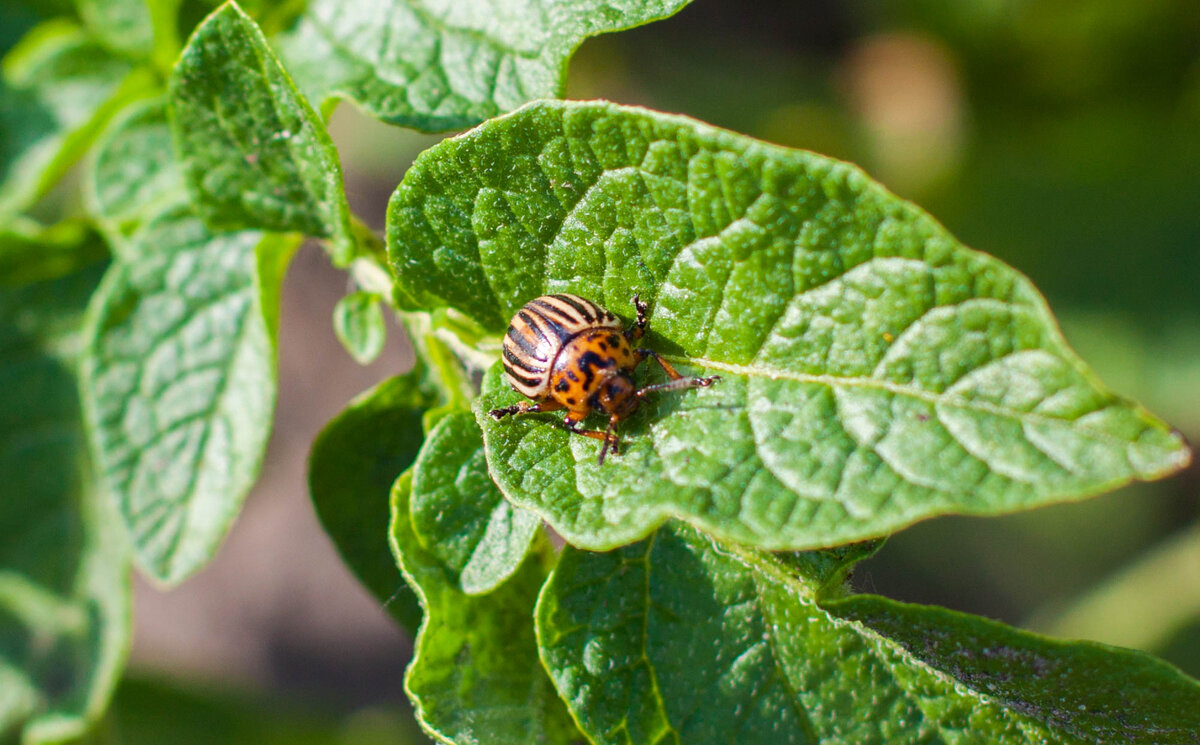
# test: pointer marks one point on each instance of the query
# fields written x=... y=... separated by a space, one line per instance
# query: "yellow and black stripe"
x=539 y=330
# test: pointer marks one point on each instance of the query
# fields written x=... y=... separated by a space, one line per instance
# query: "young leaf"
x=434 y=66
x=459 y=515
x=255 y=154
x=64 y=564
x=57 y=90
x=30 y=252
x=134 y=174
x=354 y=462
x=179 y=384
x=680 y=638
x=874 y=371
x=475 y=675
x=125 y=26
x=359 y=325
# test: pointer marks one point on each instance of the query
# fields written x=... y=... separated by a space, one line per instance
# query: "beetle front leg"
x=608 y=437
x=678 y=382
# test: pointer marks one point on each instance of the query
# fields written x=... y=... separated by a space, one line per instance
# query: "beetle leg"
x=608 y=436
x=525 y=408
x=678 y=382
x=639 y=327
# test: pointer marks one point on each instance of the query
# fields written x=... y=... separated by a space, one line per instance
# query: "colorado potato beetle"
x=565 y=352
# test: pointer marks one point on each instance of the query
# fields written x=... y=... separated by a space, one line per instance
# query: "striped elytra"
x=538 y=333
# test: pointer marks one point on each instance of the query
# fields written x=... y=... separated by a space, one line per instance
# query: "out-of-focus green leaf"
x=124 y=26
x=875 y=371
x=359 y=325
x=64 y=564
x=30 y=252
x=134 y=174
x=459 y=515
x=354 y=462
x=255 y=154
x=57 y=89
x=680 y=638
x=475 y=675
x=436 y=66
x=179 y=384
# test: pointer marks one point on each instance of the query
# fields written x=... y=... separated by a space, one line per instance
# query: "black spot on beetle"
x=570 y=402
x=571 y=374
x=562 y=385
x=614 y=339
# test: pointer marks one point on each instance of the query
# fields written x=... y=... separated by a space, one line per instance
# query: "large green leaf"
x=180 y=384
x=64 y=564
x=354 y=462
x=133 y=174
x=680 y=638
x=459 y=515
x=475 y=675
x=435 y=66
x=875 y=371
x=255 y=154
x=57 y=90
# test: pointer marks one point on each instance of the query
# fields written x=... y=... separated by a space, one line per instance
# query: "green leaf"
x=133 y=174
x=435 y=66
x=680 y=638
x=125 y=26
x=179 y=384
x=874 y=371
x=459 y=515
x=64 y=565
x=58 y=89
x=30 y=252
x=475 y=675
x=359 y=325
x=255 y=154
x=354 y=462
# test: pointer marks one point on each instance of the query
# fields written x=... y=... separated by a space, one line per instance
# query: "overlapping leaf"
x=459 y=515
x=31 y=252
x=475 y=675
x=255 y=154
x=354 y=462
x=875 y=371
x=64 y=564
x=58 y=88
x=180 y=384
x=134 y=173
x=437 y=66
x=680 y=638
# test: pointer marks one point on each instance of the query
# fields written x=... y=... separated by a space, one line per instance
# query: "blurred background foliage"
x=1063 y=138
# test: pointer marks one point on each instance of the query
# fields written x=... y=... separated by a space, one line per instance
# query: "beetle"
x=565 y=352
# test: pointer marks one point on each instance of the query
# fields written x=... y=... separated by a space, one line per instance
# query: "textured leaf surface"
x=682 y=639
x=254 y=152
x=359 y=325
x=459 y=515
x=64 y=564
x=57 y=90
x=180 y=384
x=134 y=174
x=354 y=462
x=436 y=66
x=875 y=371
x=475 y=676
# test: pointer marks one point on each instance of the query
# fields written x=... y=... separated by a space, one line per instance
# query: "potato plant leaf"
x=125 y=26
x=459 y=515
x=57 y=89
x=475 y=676
x=354 y=462
x=133 y=173
x=438 y=66
x=179 y=384
x=64 y=563
x=359 y=325
x=255 y=154
x=875 y=371
x=680 y=638
x=32 y=252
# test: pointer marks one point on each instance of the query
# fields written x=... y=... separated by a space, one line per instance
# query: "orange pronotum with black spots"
x=565 y=352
